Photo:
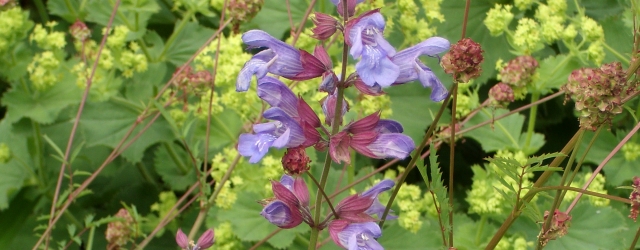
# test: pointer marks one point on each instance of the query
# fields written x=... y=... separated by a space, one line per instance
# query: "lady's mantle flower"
x=291 y=205
x=279 y=59
x=294 y=122
x=372 y=137
x=368 y=44
x=205 y=241
x=411 y=68
x=355 y=236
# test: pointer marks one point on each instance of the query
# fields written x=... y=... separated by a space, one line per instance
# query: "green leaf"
x=107 y=123
x=396 y=237
x=502 y=134
x=469 y=234
x=248 y=225
x=67 y=9
x=134 y=14
x=274 y=16
x=186 y=43
x=42 y=107
x=617 y=39
x=142 y=87
x=592 y=228
x=554 y=71
x=494 y=47
x=15 y=171
x=618 y=169
x=175 y=167
x=414 y=110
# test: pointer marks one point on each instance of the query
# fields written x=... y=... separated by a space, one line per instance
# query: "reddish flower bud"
x=242 y=11
x=79 y=31
x=501 y=94
x=519 y=71
x=463 y=60
x=202 y=77
x=326 y=26
x=119 y=232
x=635 y=199
x=559 y=226
x=295 y=161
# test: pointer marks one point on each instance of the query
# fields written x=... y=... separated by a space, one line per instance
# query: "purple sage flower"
x=376 y=207
x=411 y=68
x=355 y=236
x=329 y=108
x=368 y=44
x=282 y=132
x=205 y=241
x=291 y=204
x=280 y=59
x=371 y=137
x=351 y=6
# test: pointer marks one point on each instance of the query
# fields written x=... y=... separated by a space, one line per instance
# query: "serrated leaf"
x=186 y=43
x=504 y=183
x=248 y=225
x=538 y=159
x=274 y=16
x=502 y=134
x=107 y=123
x=531 y=211
x=543 y=168
x=174 y=166
x=553 y=72
x=68 y=9
x=414 y=110
x=42 y=107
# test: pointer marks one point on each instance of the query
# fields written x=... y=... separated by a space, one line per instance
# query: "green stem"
x=483 y=220
x=452 y=152
x=532 y=119
x=71 y=9
x=615 y=53
x=176 y=159
x=335 y=126
x=92 y=232
x=635 y=240
x=42 y=11
x=37 y=136
x=534 y=191
x=176 y=32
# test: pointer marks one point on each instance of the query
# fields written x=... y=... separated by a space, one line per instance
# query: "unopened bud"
x=559 y=227
x=79 y=31
x=519 y=71
x=295 y=161
x=463 y=60
x=242 y=11
x=635 y=199
x=501 y=94
x=119 y=232
x=326 y=26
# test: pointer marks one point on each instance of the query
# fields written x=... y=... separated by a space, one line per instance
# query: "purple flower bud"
x=353 y=208
x=329 y=108
x=326 y=26
x=181 y=239
x=205 y=241
x=411 y=68
x=376 y=207
x=280 y=59
x=351 y=6
x=281 y=214
x=355 y=235
x=374 y=90
x=368 y=44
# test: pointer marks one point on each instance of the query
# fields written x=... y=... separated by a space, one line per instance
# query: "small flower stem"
x=42 y=11
x=635 y=240
x=483 y=220
x=604 y=162
x=467 y=6
x=533 y=112
x=324 y=195
x=452 y=152
x=414 y=159
x=92 y=232
x=616 y=53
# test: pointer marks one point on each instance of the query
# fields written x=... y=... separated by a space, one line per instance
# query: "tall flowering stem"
x=335 y=127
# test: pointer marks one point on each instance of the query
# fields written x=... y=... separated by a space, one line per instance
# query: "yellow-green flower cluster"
x=225 y=239
x=42 y=70
x=305 y=41
x=417 y=29
x=523 y=4
x=5 y=153
x=412 y=204
x=515 y=242
x=271 y=170
x=597 y=185
x=230 y=61
x=569 y=33
x=222 y=161
x=166 y=201
x=226 y=197
x=526 y=38
x=591 y=30
x=117 y=36
x=246 y=104
x=371 y=104
x=595 y=52
x=52 y=40
x=463 y=106
x=132 y=60
x=631 y=151
x=498 y=19
x=551 y=22
x=14 y=23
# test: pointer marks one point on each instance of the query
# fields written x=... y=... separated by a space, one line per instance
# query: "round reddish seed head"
x=295 y=161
